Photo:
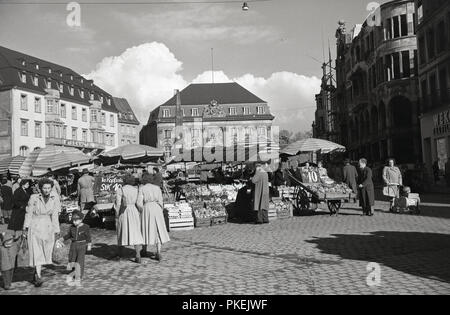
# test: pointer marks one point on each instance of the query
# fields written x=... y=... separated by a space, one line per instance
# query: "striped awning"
x=11 y=164
x=53 y=157
x=312 y=145
x=133 y=151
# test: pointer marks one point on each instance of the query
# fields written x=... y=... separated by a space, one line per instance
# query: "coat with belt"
x=86 y=188
x=20 y=202
x=367 y=192
x=261 y=191
x=350 y=176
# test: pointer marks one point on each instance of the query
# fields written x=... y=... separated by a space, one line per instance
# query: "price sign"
x=109 y=183
x=310 y=177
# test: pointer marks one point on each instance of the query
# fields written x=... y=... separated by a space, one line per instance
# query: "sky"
x=144 y=52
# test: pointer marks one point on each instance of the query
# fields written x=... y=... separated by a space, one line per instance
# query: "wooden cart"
x=304 y=197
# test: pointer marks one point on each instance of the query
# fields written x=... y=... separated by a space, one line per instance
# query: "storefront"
x=435 y=126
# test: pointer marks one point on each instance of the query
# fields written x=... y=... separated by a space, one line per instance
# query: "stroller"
x=407 y=202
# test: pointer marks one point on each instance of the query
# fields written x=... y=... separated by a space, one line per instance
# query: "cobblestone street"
x=303 y=255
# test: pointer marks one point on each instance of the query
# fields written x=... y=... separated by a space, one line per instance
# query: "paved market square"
x=310 y=255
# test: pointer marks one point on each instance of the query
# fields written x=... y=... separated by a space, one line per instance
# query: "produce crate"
x=184 y=224
x=219 y=220
x=202 y=222
x=284 y=214
x=272 y=213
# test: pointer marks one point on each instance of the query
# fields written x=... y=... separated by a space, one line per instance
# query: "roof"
x=13 y=62
x=223 y=93
x=126 y=114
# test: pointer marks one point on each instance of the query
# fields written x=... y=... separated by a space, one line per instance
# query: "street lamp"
x=245 y=7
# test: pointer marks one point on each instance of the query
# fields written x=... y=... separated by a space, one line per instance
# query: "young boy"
x=80 y=236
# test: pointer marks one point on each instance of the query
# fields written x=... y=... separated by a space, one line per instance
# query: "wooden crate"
x=181 y=224
x=202 y=222
x=284 y=214
x=219 y=220
x=272 y=213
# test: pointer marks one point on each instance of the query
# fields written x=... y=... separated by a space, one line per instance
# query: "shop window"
x=23 y=150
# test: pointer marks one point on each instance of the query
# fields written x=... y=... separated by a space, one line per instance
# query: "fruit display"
x=327 y=190
x=211 y=210
x=179 y=210
x=214 y=193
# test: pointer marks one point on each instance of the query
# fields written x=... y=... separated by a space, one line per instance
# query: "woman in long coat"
x=366 y=188
x=153 y=226
x=392 y=178
x=41 y=226
x=20 y=202
x=128 y=218
x=261 y=195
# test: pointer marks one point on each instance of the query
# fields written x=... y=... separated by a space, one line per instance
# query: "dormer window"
x=82 y=93
x=61 y=87
x=232 y=111
x=23 y=63
x=194 y=112
x=23 y=77
x=49 y=70
x=92 y=96
x=49 y=84
x=82 y=80
x=35 y=81
x=37 y=67
x=166 y=113
x=71 y=90
x=101 y=99
x=246 y=110
x=60 y=74
x=260 y=110
x=71 y=77
x=109 y=101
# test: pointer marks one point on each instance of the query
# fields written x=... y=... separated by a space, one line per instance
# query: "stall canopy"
x=312 y=145
x=11 y=164
x=133 y=151
x=54 y=157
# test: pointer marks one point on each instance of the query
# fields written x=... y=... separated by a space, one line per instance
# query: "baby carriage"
x=407 y=202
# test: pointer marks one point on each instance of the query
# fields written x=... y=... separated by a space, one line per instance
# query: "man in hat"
x=350 y=176
x=9 y=247
x=261 y=195
x=85 y=189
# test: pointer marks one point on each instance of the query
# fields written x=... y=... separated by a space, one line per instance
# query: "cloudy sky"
x=144 y=52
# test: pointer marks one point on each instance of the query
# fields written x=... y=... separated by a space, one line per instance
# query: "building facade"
x=219 y=114
x=433 y=34
x=377 y=86
x=128 y=132
x=42 y=103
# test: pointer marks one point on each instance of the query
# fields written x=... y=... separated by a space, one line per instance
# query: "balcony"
x=435 y=100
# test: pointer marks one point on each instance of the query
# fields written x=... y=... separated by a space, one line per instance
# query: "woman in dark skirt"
x=20 y=202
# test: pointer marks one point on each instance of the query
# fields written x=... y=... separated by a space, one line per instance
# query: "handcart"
x=304 y=197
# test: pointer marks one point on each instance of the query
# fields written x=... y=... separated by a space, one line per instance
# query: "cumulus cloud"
x=147 y=75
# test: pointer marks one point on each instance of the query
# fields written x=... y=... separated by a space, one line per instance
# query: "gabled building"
x=42 y=103
x=128 y=132
x=221 y=114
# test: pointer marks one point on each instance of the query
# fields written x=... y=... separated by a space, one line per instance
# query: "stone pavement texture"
x=314 y=254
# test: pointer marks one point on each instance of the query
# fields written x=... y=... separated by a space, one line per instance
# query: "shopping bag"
x=23 y=254
x=60 y=253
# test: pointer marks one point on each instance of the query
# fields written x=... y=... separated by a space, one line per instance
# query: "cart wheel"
x=302 y=201
x=334 y=206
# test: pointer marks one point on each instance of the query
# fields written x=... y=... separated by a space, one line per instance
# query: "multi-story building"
x=433 y=34
x=128 y=132
x=42 y=103
x=377 y=86
x=220 y=114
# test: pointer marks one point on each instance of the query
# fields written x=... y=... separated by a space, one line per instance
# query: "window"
x=403 y=25
x=194 y=112
x=91 y=96
x=261 y=131
x=109 y=101
x=71 y=91
x=122 y=141
x=260 y=110
x=419 y=12
x=74 y=113
x=246 y=110
x=49 y=84
x=23 y=150
x=84 y=135
x=396 y=25
x=93 y=115
x=61 y=88
x=422 y=58
x=101 y=99
x=389 y=29
x=84 y=114
x=64 y=132
x=111 y=137
x=232 y=110
x=37 y=129
x=128 y=130
x=442 y=40
x=37 y=67
x=82 y=93
x=23 y=102
x=443 y=85
x=103 y=119
x=134 y=130
x=23 y=77
x=182 y=112
x=166 y=113
x=111 y=119
x=63 y=110
x=107 y=139
x=35 y=81
x=406 y=64
x=167 y=134
x=24 y=127
x=74 y=133
x=430 y=43
x=416 y=64
x=37 y=105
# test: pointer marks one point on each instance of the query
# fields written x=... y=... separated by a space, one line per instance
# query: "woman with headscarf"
x=392 y=178
x=128 y=218
x=20 y=201
x=41 y=226
x=153 y=226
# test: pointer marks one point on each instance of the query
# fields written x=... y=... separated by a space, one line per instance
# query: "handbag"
x=390 y=191
x=60 y=253
x=23 y=254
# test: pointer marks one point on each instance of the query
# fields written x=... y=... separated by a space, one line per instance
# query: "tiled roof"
x=126 y=114
x=223 y=93
x=13 y=63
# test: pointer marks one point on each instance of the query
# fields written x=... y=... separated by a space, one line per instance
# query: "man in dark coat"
x=366 y=188
x=261 y=195
x=350 y=176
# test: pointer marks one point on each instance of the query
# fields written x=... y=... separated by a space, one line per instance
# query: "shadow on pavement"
x=109 y=252
x=425 y=255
